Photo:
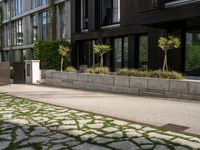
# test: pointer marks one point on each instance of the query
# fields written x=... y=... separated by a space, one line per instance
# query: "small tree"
x=101 y=49
x=167 y=43
x=64 y=52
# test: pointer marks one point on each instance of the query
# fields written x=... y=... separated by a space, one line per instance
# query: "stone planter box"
x=184 y=89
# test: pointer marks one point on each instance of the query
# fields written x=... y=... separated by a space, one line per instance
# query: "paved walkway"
x=28 y=125
x=146 y=110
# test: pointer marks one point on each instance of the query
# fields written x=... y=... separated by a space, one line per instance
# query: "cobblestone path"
x=29 y=125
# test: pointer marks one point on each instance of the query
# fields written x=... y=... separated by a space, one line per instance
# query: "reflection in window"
x=84 y=13
x=118 y=53
x=18 y=7
x=143 y=52
x=110 y=12
x=192 y=64
x=86 y=53
x=120 y=50
x=18 y=32
x=62 y=24
x=33 y=4
x=44 y=2
x=44 y=25
x=125 y=52
x=34 y=28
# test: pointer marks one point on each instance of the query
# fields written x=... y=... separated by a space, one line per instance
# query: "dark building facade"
x=132 y=28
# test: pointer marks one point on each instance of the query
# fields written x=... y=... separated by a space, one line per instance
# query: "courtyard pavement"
x=147 y=110
x=29 y=125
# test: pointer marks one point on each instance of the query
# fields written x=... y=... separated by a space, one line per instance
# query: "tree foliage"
x=47 y=53
x=167 y=43
x=64 y=53
x=100 y=50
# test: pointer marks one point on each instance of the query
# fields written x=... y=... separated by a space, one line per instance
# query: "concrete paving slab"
x=148 y=110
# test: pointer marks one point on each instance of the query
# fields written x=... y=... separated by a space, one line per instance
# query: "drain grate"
x=174 y=127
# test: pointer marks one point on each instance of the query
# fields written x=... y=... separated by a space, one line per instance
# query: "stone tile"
x=124 y=145
x=121 y=81
x=187 y=143
x=102 y=140
x=179 y=86
x=161 y=147
x=194 y=88
x=137 y=82
x=158 y=84
x=142 y=141
x=159 y=136
x=4 y=144
x=83 y=77
x=87 y=146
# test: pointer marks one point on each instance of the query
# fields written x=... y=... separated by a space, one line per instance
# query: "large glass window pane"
x=62 y=24
x=125 y=52
x=110 y=12
x=84 y=14
x=44 y=25
x=34 y=28
x=143 y=52
x=118 y=53
x=192 y=64
x=85 y=53
x=33 y=4
x=44 y=2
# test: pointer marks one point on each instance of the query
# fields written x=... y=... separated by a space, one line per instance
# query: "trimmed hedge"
x=152 y=74
x=47 y=53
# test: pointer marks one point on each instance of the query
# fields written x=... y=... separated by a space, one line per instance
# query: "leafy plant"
x=152 y=74
x=47 y=53
x=64 y=52
x=167 y=43
x=98 y=70
x=71 y=69
x=101 y=49
x=11 y=72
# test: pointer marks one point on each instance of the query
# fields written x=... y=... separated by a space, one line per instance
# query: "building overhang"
x=178 y=11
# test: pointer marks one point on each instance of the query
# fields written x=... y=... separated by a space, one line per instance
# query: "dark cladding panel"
x=129 y=12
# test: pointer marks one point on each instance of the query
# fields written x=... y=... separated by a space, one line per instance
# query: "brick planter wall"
x=168 y=88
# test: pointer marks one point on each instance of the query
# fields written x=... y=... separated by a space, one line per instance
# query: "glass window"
x=34 y=28
x=44 y=2
x=18 y=32
x=192 y=58
x=7 y=9
x=17 y=7
x=44 y=25
x=110 y=12
x=84 y=14
x=62 y=24
x=86 y=54
x=7 y=35
x=125 y=52
x=33 y=4
x=143 y=52
x=118 y=53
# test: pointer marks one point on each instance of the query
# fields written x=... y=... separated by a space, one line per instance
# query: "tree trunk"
x=165 y=65
x=61 y=64
x=101 y=63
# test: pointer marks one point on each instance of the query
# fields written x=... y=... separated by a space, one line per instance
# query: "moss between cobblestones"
x=38 y=122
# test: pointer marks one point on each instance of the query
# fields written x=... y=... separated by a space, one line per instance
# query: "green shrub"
x=98 y=70
x=71 y=69
x=89 y=70
x=47 y=53
x=101 y=70
x=152 y=74
x=11 y=72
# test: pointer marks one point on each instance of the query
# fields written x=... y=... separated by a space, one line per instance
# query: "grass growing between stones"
x=27 y=125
